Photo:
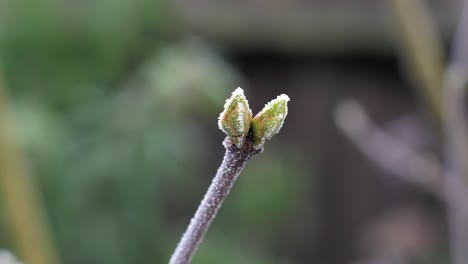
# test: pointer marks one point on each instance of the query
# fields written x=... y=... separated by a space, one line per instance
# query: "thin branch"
x=454 y=100
x=387 y=151
x=21 y=198
x=420 y=169
x=233 y=163
x=456 y=151
x=422 y=50
x=408 y=164
x=451 y=108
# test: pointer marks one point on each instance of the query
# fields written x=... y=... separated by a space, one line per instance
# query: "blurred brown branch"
x=21 y=198
x=408 y=164
x=456 y=140
x=421 y=169
x=422 y=51
x=454 y=89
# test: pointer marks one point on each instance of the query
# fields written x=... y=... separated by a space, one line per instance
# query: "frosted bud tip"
x=269 y=121
x=236 y=117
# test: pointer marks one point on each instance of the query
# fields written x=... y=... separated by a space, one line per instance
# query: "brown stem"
x=399 y=159
x=422 y=51
x=456 y=184
x=234 y=161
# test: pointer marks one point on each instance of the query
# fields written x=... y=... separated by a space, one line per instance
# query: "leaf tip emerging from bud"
x=269 y=121
x=236 y=117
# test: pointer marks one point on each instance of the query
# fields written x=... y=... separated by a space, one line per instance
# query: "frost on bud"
x=269 y=121
x=236 y=117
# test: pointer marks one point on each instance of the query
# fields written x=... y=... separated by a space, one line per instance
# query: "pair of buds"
x=236 y=119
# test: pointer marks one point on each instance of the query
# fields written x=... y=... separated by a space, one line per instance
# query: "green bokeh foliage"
x=106 y=98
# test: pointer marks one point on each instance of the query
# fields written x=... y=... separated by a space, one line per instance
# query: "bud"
x=236 y=117
x=269 y=121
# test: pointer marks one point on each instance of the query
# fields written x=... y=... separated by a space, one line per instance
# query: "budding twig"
x=241 y=145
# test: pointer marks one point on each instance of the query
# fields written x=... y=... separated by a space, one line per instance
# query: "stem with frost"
x=234 y=161
x=245 y=139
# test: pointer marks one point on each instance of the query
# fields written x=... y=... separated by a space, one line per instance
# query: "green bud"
x=269 y=121
x=236 y=117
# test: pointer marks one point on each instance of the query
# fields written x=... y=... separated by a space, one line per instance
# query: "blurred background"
x=112 y=109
